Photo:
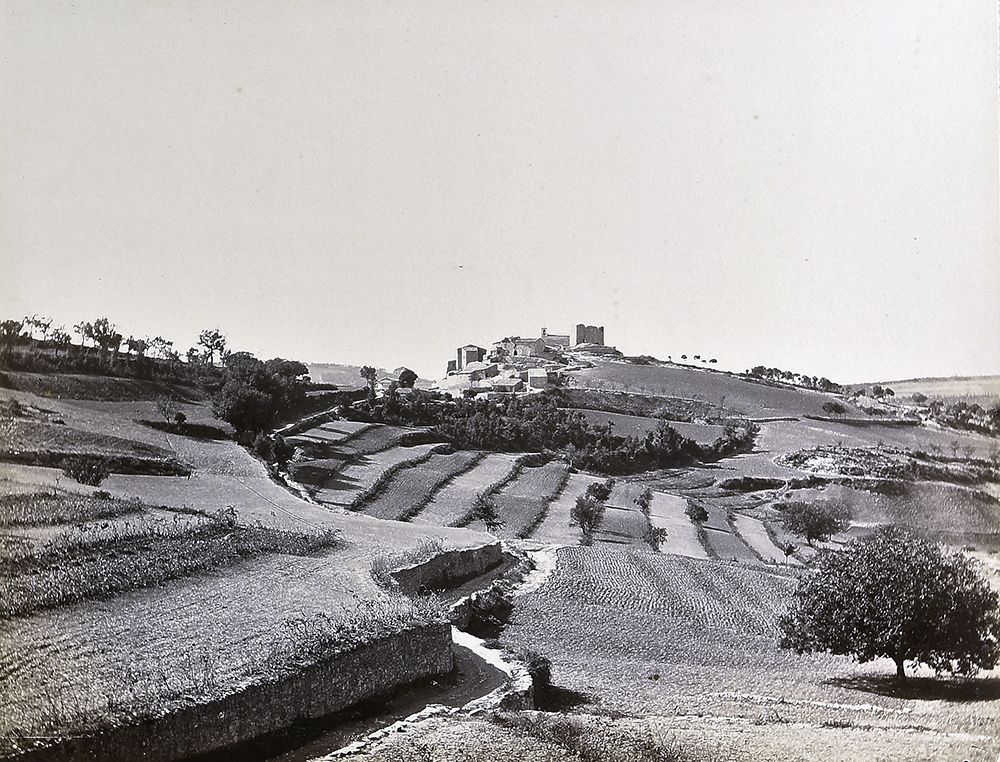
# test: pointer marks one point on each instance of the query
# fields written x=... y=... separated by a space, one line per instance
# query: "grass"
x=736 y=394
x=99 y=559
x=40 y=509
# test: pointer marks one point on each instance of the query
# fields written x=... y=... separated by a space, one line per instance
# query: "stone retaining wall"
x=362 y=673
x=449 y=568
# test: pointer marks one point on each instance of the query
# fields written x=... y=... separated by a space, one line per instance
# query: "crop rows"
x=709 y=593
x=521 y=504
x=409 y=489
x=453 y=501
x=39 y=509
x=362 y=474
x=104 y=558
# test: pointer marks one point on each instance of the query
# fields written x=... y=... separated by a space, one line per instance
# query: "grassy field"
x=984 y=390
x=735 y=394
x=638 y=426
x=410 y=489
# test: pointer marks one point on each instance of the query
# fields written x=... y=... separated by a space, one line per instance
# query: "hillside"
x=984 y=390
x=734 y=394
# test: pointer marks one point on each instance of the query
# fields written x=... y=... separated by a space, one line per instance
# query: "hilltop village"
x=519 y=364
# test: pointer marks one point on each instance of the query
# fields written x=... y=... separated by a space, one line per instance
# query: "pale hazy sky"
x=812 y=185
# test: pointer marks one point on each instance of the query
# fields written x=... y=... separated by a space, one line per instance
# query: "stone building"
x=469 y=353
x=589 y=334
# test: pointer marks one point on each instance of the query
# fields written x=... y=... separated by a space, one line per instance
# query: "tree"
x=10 y=332
x=213 y=341
x=39 y=323
x=249 y=410
x=897 y=596
x=586 y=513
x=61 y=339
x=407 y=378
x=815 y=521
x=105 y=335
x=834 y=407
x=166 y=407
x=696 y=512
x=369 y=374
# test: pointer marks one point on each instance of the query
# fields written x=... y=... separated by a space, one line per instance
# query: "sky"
x=812 y=186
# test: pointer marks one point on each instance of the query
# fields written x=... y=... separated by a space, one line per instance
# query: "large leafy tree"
x=897 y=596
x=819 y=520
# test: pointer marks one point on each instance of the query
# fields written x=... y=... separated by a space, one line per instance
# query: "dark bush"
x=86 y=469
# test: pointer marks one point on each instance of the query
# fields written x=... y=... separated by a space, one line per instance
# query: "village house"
x=468 y=354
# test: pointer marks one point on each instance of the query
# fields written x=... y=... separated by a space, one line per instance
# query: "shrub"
x=601 y=491
x=86 y=469
x=696 y=512
x=540 y=669
x=834 y=407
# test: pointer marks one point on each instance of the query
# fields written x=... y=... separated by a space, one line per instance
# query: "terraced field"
x=722 y=542
x=330 y=432
x=667 y=512
x=410 y=489
x=363 y=472
x=948 y=512
x=689 y=649
x=622 y=522
x=556 y=528
x=522 y=503
x=753 y=533
x=456 y=498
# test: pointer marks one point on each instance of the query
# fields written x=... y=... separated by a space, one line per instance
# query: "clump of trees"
x=893 y=595
x=815 y=521
x=256 y=392
x=536 y=423
x=820 y=383
x=36 y=344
